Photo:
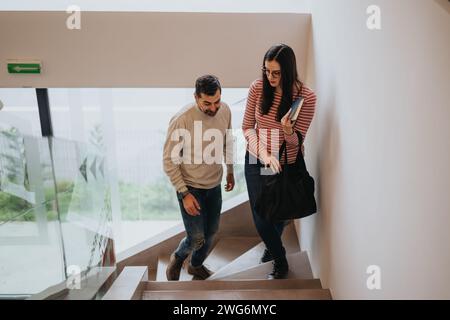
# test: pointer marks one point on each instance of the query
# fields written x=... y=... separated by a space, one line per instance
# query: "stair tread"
x=299 y=268
x=227 y=250
x=152 y=274
x=290 y=239
x=243 y=262
x=161 y=270
x=256 y=294
x=252 y=257
x=129 y=284
x=234 y=285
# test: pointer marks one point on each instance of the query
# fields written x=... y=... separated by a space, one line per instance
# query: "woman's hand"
x=287 y=124
x=271 y=162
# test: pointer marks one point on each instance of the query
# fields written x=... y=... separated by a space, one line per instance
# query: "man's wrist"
x=182 y=194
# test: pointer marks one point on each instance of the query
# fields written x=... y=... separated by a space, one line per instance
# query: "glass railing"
x=60 y=199
x=55 y=212
x=130 y=125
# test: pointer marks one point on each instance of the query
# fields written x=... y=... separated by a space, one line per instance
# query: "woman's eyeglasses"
x=275 y=74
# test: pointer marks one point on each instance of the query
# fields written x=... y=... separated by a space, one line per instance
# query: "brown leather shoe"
x=174 y=268
x=200 y=273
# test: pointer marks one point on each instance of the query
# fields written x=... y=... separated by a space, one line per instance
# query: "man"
x=198 y=137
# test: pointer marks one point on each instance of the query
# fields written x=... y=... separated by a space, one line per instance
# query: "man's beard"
x=210 y=113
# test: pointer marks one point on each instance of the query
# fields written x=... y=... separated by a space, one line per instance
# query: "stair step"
x=93 y=284
x=277 y=294
x=161 y=270
x=227 y=250
x=299 y=268
x=152 y=274
x=247 y=260
x=252 y=257
x=290 y=239
x=234 y=285
x=129 y=284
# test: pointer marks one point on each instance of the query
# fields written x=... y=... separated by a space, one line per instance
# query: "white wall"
x=379 y=148
x=291 y=6
x=145 y=49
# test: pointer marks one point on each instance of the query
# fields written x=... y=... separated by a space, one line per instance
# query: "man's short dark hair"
x=208 y=85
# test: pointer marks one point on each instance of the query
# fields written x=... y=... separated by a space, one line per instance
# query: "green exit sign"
x=24 y=67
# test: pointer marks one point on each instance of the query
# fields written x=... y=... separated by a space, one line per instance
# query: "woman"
x=266 y=125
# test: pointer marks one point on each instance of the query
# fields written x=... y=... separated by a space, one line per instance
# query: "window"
x=20 y=111
x=129 y=126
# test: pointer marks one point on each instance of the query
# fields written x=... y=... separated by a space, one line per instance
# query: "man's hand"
x=191 y=205
x=230 y=182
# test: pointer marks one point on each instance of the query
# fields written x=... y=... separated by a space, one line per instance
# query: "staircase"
x=234 y=259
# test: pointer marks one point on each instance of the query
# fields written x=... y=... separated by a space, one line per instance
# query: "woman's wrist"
x=289 y=133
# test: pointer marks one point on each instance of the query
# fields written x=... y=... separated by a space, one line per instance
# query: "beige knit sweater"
x=196 y=147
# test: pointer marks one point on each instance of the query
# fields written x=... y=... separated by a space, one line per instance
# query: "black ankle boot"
x=266 y=257
x=280 y=269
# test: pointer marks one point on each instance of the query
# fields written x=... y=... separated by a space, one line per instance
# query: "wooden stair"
x=299 y=268
x=238 y=274
x=161 y=270
x=254 y=294
x=252 y=257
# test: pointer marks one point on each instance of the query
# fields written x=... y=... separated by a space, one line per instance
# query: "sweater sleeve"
x=304 y=120
x=249 y=122
x=172 y=154
x=228 y=147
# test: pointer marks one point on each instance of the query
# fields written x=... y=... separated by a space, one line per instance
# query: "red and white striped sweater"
x=261 y=131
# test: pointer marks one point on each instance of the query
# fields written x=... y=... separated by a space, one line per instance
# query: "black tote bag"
x=288 y=194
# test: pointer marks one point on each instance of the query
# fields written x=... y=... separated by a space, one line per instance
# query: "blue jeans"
x=200 y=230
x=269 y=232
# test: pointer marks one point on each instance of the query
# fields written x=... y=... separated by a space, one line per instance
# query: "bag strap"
x=283 y=149
x=300 y=160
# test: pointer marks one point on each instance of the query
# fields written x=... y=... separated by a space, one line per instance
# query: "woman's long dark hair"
x=285 y=56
